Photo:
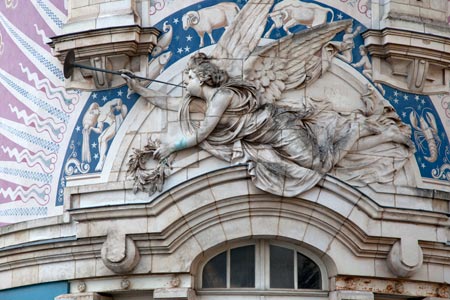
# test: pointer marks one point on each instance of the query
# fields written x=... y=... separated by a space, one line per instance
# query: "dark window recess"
x=215 y=272
x=236 y=268
x=242 y=267
x=281 y=268
x=308 y=273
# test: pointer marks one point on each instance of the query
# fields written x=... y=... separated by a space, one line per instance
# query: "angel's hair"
x=206 y=71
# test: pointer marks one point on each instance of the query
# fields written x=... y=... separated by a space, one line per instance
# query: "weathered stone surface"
x=287 y=146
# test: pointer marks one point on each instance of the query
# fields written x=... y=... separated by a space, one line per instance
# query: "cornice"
x=410 y=61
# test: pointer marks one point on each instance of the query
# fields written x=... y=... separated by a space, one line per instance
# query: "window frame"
x=262 y=269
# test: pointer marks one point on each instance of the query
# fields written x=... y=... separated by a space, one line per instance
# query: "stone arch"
x=333 y=220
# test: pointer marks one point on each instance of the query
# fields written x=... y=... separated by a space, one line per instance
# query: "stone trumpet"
x=70 y=64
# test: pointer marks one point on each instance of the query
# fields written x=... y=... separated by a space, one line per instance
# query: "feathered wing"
x=242 y=36
x=291 y=61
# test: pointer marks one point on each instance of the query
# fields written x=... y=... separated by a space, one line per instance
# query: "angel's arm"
x=213 y=114
x=156 y=98
x=357 y=31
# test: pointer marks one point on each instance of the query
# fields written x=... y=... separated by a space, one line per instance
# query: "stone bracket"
x=408 y=61
x=405 y=257
x=119 y=252
x=111 y=49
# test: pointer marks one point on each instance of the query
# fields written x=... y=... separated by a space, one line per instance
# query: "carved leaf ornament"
x=147 y=180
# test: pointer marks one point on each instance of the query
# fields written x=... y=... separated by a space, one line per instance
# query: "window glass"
x=242 y=267
x=245 y=267
x=308 y=273
x=215 y=272
x=281 y=268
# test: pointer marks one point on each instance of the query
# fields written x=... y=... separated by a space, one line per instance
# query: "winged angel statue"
x=288 y=148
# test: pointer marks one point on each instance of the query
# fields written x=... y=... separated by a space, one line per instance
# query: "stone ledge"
x=174 y=293
x=109 y=40
x=394 y=287
x=82 y=296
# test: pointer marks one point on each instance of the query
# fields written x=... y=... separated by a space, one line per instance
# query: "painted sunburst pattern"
x=11 y=3
x=37 y=110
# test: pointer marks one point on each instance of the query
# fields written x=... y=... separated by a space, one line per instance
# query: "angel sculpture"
x=287 y=148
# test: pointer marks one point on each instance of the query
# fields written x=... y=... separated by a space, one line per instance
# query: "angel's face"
x=192 y=83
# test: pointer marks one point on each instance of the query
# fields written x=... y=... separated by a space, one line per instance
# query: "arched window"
x=264 y=265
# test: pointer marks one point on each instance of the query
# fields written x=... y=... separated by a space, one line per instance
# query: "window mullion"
x=265 y=246
x=258 y=262
x=228 y=268
x=295 y=270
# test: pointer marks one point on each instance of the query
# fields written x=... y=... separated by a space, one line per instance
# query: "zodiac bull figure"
x=207 y=19
x=289 y=13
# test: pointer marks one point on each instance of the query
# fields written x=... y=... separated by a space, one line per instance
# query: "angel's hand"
x=131 y=82
x=127 y=75
x=163 y=151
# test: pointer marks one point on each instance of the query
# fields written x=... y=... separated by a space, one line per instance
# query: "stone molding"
x=351 y=295
x=111 y=49
x=395 y=287
x=409 y=61
x=174 y=293
x=83 y=296
x=173 y=230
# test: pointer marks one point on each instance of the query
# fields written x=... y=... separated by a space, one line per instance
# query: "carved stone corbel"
x=110 y=49
x=101 y=79
x=409 y=61
x=405 y=257
x=119 y=253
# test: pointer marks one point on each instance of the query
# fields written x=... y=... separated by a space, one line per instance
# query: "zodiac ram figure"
x=207 y=19
x=289 y=13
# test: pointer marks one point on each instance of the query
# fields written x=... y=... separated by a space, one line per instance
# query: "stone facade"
x=78 y=212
